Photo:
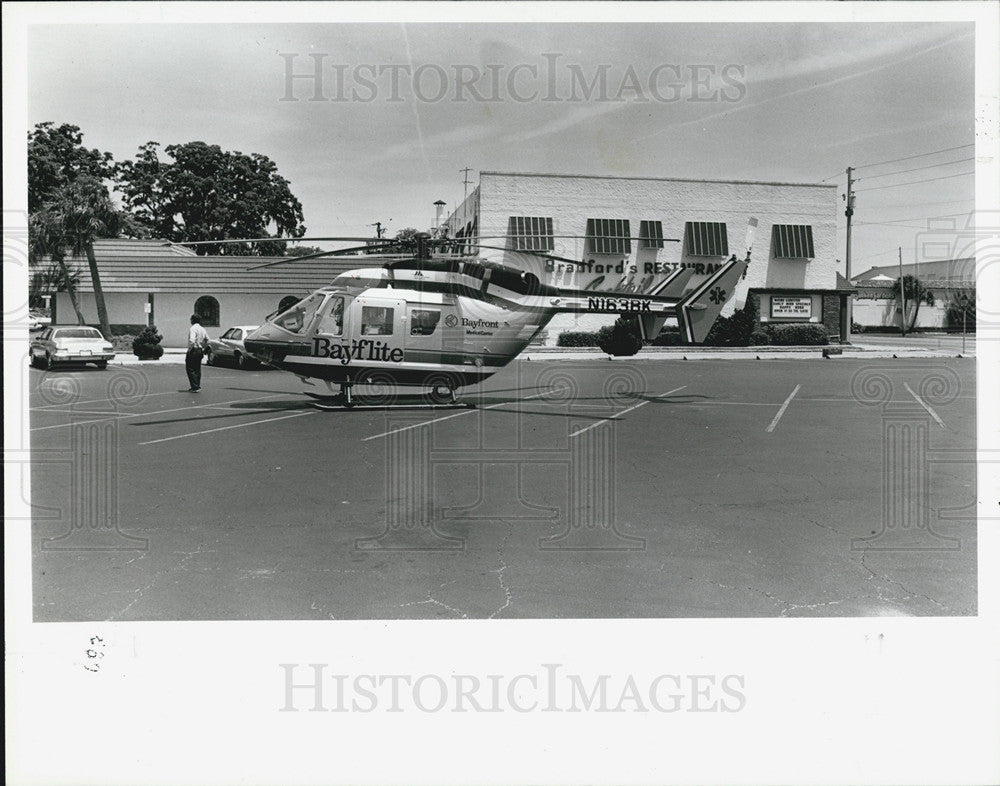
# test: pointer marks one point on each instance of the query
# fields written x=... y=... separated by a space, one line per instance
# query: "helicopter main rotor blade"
x=318 y=254
x=231 y=241
x=542 y=254
x=571 y=237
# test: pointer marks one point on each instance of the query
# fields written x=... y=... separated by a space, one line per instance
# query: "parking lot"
x=588 y=489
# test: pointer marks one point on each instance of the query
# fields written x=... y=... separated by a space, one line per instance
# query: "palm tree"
x=45 y=237
x=75 y=217
x=916 y=293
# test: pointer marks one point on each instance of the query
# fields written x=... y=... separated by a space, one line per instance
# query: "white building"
x=630 y=232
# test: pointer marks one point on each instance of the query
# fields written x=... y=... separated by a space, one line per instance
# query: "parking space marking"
x=925 y=405
x=781 y=411
x=158 y=412
x=459 y=414
x=623 y=412
x=226 y=428
x=93 y=401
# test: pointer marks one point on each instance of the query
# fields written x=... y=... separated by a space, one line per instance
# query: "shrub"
x=962 y=303
x=146 y=346
x=669 y=337
x=856 y=328
x=759 y=338
x=621 y=338
x=735 y=331
x=122 y=343
x=798 y=334
x=577 y=338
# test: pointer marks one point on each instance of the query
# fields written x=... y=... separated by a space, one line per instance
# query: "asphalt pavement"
x=574 y=488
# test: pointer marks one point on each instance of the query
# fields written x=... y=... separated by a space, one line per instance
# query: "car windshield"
x=78 y=333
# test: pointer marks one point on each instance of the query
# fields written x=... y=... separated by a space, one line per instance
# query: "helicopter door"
x=331 y=320
x=423 y=327
x=380 y=321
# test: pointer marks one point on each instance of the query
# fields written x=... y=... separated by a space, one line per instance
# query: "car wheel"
x=210 y=358
x=34 y=362
x=102 y=365
x=241 y=361
x=49 y=362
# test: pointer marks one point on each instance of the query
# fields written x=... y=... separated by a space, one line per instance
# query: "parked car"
x=229 y=347
x=37 y=320
x=70 y=344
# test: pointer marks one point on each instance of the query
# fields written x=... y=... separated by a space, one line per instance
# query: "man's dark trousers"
x=193 y=364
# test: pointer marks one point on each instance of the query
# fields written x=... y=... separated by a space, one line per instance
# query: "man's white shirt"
x=197 y=337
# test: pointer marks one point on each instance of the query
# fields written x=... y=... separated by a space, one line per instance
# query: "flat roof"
x=663 y=179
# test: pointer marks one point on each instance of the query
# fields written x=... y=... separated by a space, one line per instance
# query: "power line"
x=922 y=204
x=916 y=218
x=917 y=169
x=889 y=224
x=914 y=182
x=921 y=155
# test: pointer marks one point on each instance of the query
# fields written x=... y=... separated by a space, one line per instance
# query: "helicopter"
x=437 y=318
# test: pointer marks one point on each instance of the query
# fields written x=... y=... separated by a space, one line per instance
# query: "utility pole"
x=849 y=212
x=466 y=180
x=902 y=294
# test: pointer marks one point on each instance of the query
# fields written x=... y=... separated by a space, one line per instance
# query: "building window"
x=792 y=241
x=207 y=308
x=609 y=236
x=530 y=233
x=706 y=239
x=650 y=234
x=287 y=302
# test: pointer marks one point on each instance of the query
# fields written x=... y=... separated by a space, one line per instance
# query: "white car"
x=70 y=344
x=37 y=321
x=229 y=347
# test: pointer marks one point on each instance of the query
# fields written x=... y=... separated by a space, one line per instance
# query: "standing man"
x=197 y=344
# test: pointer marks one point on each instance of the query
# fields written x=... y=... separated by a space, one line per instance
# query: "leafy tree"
x=916 y=293
x=57 y=157
x=203 y=192
x=301 y=251
x=407 y=239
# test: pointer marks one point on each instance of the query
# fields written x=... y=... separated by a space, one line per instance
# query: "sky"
x=402 y=108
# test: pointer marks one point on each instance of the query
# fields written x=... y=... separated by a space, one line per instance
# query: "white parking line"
x=226 y=428
x=624 y=411
x=158 y=412
x=925 y=405
x=781 y=411
x=459 y=414
x=94 y=401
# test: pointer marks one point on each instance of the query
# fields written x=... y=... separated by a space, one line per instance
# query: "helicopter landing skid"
x=345 y=400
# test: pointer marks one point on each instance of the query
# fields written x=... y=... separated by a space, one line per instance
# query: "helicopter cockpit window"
x=332 y=321
x=423 y=322
x=299 y=316
x=376 y=321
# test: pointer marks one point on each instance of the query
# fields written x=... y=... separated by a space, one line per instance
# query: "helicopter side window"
x=299 y=316
x=423 y=322
x=376 y=321
x=332 y=322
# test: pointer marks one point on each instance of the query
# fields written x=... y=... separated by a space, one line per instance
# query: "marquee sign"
x=794 y=307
